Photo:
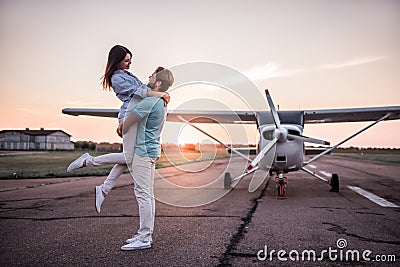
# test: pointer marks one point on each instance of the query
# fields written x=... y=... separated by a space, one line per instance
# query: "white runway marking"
x=374 y=198
x=327 y=174
x=312 y=166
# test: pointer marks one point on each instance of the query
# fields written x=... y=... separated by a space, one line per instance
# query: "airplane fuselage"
x=288 y=153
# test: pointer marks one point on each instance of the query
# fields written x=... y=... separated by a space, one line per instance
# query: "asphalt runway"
x=52 y=222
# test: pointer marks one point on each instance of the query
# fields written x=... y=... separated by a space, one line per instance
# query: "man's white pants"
x=144 y=182
x=121 y=160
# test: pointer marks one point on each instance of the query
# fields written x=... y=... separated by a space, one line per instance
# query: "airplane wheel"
x=335 y=183
x=227 y=180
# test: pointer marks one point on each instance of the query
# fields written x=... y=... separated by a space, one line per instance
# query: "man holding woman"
x=141 y=118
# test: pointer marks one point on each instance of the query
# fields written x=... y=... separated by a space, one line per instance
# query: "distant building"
x=35 y=140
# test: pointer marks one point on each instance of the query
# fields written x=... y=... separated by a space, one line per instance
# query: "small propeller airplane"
x=281 y=147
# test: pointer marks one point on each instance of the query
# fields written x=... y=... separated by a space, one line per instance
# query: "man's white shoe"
x=137 y=244
x=130 y=240
x=99 y=198
x=78 y=163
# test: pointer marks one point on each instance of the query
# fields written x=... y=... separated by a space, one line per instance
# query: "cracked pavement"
x=53 y=221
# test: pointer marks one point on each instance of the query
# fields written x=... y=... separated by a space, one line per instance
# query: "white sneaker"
x=130 y=240
x=137 y=244
x=78 y=163
x=99 y=198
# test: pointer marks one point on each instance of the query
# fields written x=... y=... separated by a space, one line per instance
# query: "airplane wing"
x=98 y=112
x=250 y=117
x=234 y=117
x=351 y=114
x=310 y=116
x=174 y=116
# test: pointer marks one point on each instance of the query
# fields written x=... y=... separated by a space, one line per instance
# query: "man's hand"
x=166 y=98
x=119 y=129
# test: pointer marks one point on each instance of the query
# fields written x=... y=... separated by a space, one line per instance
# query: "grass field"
x=393 y=158
x=54 y=163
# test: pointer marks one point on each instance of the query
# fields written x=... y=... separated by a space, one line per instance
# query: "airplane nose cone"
x=281 y=134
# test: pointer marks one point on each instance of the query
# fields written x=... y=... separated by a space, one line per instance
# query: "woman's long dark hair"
x=115 y=56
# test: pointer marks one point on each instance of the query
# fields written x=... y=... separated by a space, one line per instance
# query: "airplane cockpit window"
x=293 y=132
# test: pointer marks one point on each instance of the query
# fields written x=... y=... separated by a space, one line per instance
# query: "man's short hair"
x=166 y=77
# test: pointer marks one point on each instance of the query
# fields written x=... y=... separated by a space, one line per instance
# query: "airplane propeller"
x=309 y=139
x=269 y=150
x=275 y=115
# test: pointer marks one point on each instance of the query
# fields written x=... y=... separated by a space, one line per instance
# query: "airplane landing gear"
x=334 y=182
x=281 y=182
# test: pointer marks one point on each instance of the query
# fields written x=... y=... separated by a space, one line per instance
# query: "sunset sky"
x=309 y=54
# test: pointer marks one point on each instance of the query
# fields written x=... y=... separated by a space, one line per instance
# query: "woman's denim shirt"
x=127 y=87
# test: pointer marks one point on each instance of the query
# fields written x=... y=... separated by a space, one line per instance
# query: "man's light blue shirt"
x=151 y=112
